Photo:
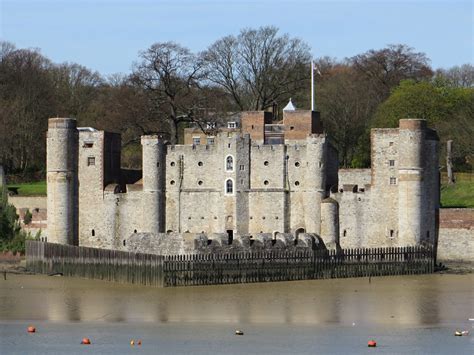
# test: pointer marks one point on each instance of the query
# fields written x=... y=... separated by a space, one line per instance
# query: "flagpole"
x=312 y=86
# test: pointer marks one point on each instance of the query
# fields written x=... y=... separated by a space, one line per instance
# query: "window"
x=200 y=182
x=210 y=140
x=172 y=163
x=242 y=167
x=393 y=181
x=265 y=182
x=229 y=163
x=210 y=125
x=88 y=145
x=391 y=162
x=297 y=164
x=391 y=233
x=90 y=161
x=196 y=140
x=231 y=125
x=93 y=233
x=265 y=163
x=200 y=163
x=297 y=183
x=229 y=187
x=390 y=144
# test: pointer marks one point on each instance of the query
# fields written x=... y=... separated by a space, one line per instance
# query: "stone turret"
x=315 y=182
x=62 y=186
x=330 y=223
x=410 y=186
x=154 y=173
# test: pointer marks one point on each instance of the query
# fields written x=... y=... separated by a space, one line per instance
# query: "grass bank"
x=461 y=194
x=29 y=188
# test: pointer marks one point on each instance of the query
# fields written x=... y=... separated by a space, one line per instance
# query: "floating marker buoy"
x=86 y=341
x=372 y=344
x=239 y=332
x=132 y=342
x=139 y=342
x=459 y=333
x=31 y=329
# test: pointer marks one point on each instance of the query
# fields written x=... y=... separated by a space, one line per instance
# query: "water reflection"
x=399 y=300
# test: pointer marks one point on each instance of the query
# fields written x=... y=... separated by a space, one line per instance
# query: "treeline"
x=170 y=87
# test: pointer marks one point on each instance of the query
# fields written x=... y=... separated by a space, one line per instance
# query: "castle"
x=255 y=179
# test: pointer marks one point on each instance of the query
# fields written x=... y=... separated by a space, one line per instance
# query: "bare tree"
x=258 y=67
x=26 y=101
x=386 y=67
x=346 y=103
x=169 y=74
x=457 y=76
x=76 y=88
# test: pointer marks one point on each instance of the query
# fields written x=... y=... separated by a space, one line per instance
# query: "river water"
x=405 y=314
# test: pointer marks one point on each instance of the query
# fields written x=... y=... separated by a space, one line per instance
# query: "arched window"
x=229 y=163
x=229 y=187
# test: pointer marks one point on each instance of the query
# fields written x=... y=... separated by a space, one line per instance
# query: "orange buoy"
x=31 y=329
x=372 y=344
x=86 y=341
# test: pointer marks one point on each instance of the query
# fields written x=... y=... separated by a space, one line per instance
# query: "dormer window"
x=210 y=125
x=232 y=125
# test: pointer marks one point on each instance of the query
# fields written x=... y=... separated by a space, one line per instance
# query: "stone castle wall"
x=238 y=187
x=456 y=235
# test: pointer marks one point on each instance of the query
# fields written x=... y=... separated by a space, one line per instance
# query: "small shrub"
x=28 y=217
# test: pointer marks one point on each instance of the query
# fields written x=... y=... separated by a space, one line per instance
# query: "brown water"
x=415 y=314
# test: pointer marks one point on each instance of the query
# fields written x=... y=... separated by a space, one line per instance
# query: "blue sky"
x=107 y=35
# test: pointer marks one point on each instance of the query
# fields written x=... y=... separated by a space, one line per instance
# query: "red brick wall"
x=253 y=123
x=298 y=124
x=456 y=218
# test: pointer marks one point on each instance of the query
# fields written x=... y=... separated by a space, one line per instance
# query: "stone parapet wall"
x=359 y=177
x=195 y=243
x=30 y=202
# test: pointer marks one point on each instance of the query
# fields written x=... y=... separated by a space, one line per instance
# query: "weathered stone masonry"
x=284 y=181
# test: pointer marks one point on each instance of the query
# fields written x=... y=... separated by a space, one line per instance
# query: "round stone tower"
x=62 y=188
x=410 y=181
x=315 y=181
x=154 y=169
x=330 y=223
